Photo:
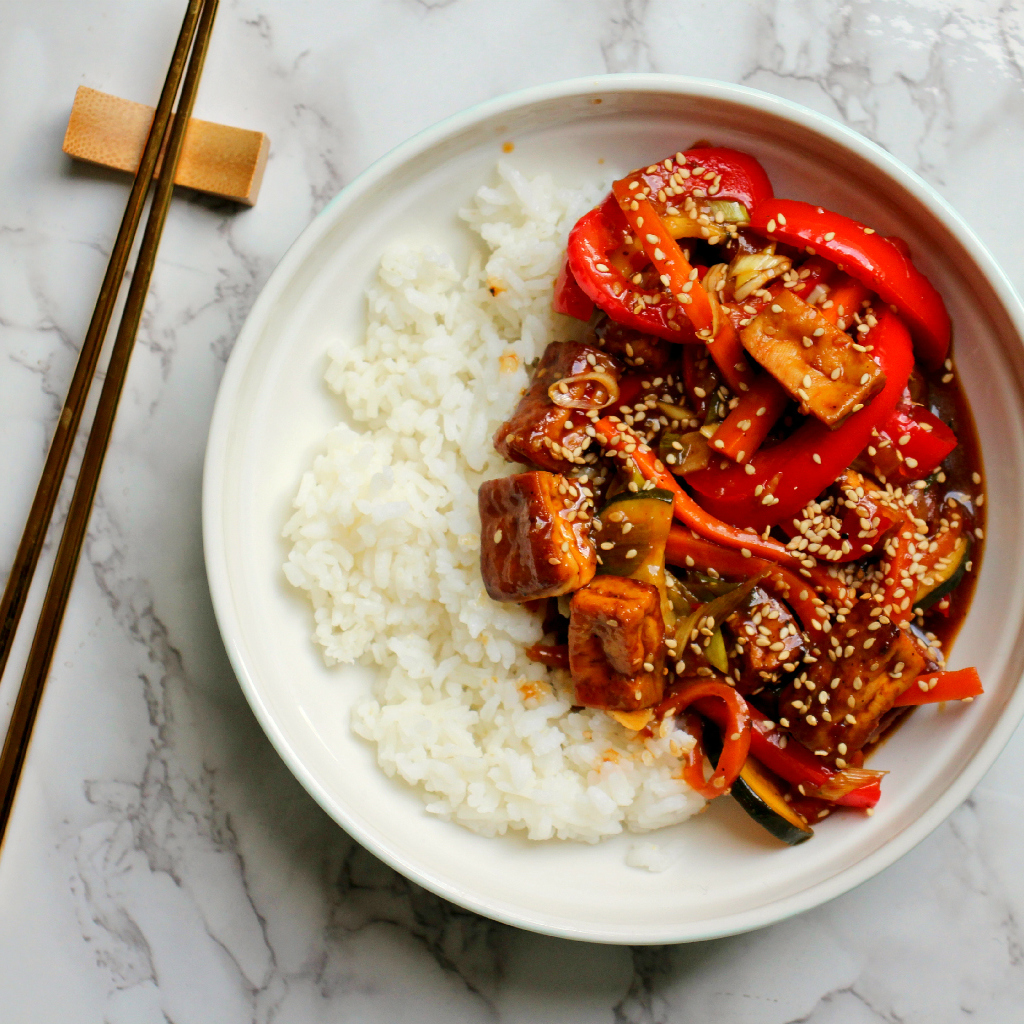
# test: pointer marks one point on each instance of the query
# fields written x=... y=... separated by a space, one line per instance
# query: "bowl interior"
x=274 y=410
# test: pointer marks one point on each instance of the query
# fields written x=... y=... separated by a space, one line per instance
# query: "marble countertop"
x=162 y=864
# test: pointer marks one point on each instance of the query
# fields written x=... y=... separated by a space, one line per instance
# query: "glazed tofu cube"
x=866 y=683
x=534 y=537
x=765 y=647
x=544 y=434
x=812 y=359
x=616 y=649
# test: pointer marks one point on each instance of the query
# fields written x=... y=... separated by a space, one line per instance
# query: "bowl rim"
x=217 y=447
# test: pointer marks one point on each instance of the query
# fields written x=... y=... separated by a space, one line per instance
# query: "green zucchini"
x=946 y=581
x=639 y=550
x=758 y=792
x=691 y=454
x=720 y=606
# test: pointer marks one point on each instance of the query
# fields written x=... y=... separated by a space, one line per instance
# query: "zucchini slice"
x=636 y=525
x=758 y=792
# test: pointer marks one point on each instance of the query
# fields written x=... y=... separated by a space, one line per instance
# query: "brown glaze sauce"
x=949 y=403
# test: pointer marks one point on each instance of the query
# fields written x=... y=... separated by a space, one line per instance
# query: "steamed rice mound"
x=385 y=541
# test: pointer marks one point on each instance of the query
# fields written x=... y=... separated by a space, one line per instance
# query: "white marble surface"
x=162 y=864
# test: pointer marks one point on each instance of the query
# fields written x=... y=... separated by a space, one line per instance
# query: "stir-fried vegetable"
x=764 y=535
x=874 y=260
x=787 y=476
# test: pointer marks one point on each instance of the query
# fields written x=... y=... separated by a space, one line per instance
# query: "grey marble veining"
x=162 y=864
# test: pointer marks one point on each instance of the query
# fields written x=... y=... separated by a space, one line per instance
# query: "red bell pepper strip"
x=620 y=440
x=714 y=172
x=963 y=684
x=787 y=476
x=731 y=357
x=745 y=428
x=677 y=275
x=900 y=244
x=845 y=297
x=686 y=549
x=591 y=244
x=569 y=297
x=869 y=257
x=793 y=762
x=729 y=711
x=912 y=444
x=631 y=387
x=817 y=270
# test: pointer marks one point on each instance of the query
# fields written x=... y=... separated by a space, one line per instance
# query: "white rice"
x=385 y=540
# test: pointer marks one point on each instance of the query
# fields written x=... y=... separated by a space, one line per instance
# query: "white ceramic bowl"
x=273 y=411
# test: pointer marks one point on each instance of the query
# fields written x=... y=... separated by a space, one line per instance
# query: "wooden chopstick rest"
x=217 y=159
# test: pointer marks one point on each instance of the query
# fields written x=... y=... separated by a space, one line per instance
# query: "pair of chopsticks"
x=168 y=129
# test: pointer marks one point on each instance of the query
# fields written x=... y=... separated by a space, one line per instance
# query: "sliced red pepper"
x=619 y=439
x=685 y=549
x=793 y=762
x=589 y=253
x=912 y=444
x=869 y=257
x=705 y=174
x=745 y=428
x=729 y=711
x=731 y=357
x=711 y=173
x=631 y=387
x=963 y=684
x=788 y=473
x=845 y=297
x=817 y=270
x=569 y=297
x=674 y=269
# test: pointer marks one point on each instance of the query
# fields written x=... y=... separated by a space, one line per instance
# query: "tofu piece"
x=828 y=376
x=759 y=656
x=536 y=433
x=869 y=680
x=615 y=631
x=535 y=537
